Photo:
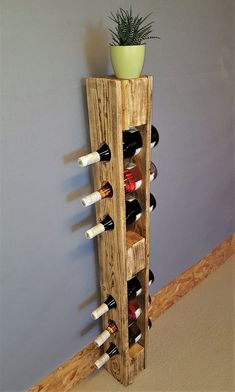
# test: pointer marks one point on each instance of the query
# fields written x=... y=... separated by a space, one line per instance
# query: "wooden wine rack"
x=116 y=105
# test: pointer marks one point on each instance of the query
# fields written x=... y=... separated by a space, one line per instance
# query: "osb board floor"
x=192 y=346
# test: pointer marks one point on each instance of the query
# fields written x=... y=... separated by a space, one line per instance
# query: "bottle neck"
x=110 y=302
x=104 y=152
x=112 y=350
x=106 y=224
x=105 y=191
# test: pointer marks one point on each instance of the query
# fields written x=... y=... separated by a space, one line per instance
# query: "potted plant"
x=127 y=48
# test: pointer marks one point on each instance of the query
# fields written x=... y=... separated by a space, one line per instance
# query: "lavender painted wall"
x=49 y=274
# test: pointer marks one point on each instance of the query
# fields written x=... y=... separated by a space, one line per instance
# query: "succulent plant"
x=129 y=29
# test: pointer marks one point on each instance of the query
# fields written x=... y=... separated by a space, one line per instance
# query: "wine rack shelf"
x=114 y=106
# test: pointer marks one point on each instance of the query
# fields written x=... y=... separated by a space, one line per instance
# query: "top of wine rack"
x=135 y=95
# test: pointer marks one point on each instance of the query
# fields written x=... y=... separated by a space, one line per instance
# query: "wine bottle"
x=132 y=144
x=135 y=332
x=133 y=213
x=106 y=224
x=134 y=287
x=134 y=311
x=154 y=136
x=102 y=154
x=108 y=304
x=132 y=182
x=132 y=141
x=153 y=203
x=112 y=350
x=110 y=330
x=133 y=210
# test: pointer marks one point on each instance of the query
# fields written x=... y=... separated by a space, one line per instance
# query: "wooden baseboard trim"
x=75 y=369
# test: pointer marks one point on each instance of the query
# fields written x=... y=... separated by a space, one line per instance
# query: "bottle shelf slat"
x=135 y=253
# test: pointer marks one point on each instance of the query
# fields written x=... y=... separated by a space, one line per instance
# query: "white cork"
x=94 y=231
x=91 y=199
x=102 y=338
x=88 y=159
x=102 y=361
x=138 y=184
x=103 y=308
x=138 y=312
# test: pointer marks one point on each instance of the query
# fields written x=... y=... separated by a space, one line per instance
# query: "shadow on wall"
x=97 y=58
x=96 y=43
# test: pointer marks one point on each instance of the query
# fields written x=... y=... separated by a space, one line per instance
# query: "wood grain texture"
x=75 y=369
x=180 y=286
x=135 y=253
x=114 y=106
x=104 y=99
x=137 y=361
x=67 y=375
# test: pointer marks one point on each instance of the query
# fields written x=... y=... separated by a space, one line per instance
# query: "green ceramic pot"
x=127 y=61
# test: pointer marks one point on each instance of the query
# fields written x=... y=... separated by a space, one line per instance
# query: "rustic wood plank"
x=135 y=253
x=105 y=104
x=113 y=106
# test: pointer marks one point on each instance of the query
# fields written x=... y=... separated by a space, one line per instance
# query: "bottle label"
x=91 y=199
x=138 y=312
x=130 y=197
x=137 y=151
x=138 y=184
x=102 y=338
x=138 y=216
x=94 y=231
x=138 y=338
x=102 y=361
x=88 y=159
x=129 y=165
x=138 y=292
x=103 y=308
